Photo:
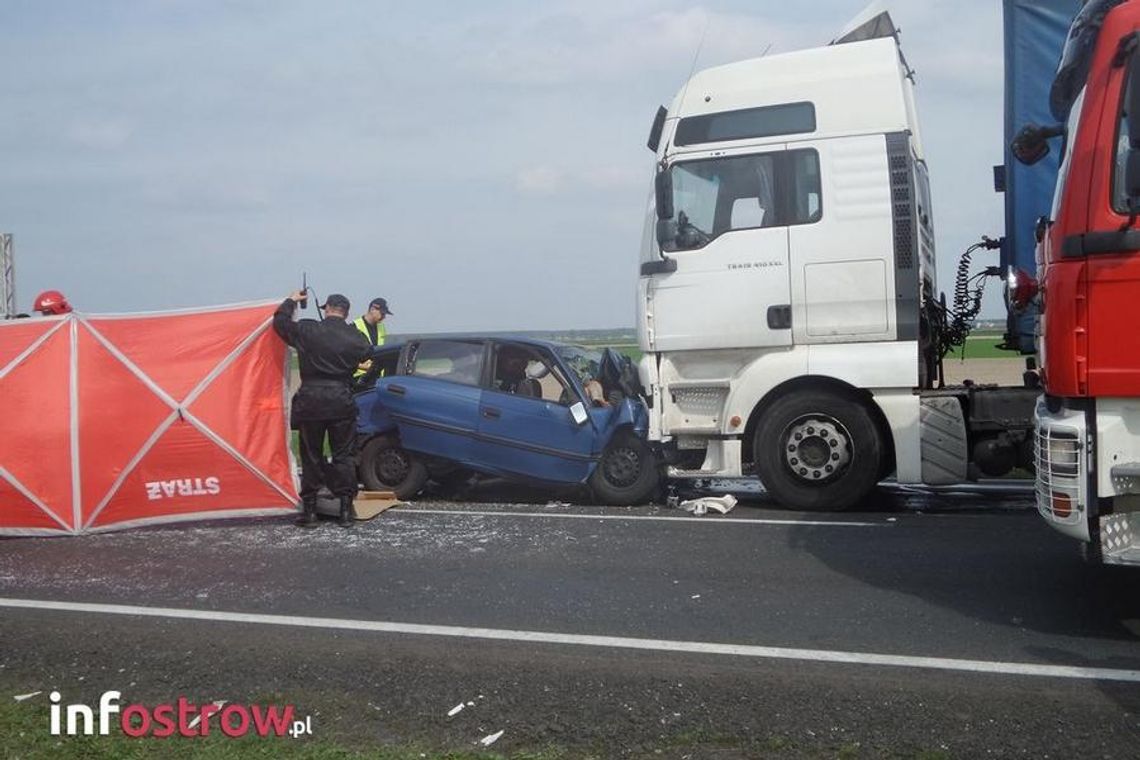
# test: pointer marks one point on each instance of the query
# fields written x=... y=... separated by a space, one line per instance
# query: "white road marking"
x=651 y=518
x=608 y=642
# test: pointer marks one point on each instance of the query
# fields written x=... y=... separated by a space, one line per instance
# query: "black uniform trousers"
x=321 y=409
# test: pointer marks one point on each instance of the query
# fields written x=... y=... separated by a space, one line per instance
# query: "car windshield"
x=584 y=362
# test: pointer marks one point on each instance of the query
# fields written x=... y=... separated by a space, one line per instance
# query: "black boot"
x=308 y=516
x=347 y=513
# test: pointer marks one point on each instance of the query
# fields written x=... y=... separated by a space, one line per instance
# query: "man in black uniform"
x=329 y=352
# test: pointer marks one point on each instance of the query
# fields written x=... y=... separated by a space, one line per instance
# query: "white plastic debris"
x=455 y=710
x=487 y=741
x=198 y=718
x=705 y=504
x=22 y=697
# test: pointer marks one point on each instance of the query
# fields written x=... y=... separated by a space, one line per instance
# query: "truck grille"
x=707 y=401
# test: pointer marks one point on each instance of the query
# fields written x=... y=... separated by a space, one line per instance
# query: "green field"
x=984 y=346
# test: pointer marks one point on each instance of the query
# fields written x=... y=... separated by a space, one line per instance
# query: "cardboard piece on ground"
x=367 y=504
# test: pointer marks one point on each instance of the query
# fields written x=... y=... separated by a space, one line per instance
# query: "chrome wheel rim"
x=817 y=448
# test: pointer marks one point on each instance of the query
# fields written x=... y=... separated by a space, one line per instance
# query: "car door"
x=526 y=428
x=435 y=403
x=372 y=414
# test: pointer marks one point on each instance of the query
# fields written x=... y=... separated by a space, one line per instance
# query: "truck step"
x=1118 y=539
x=1126 y=470
x=675 y=473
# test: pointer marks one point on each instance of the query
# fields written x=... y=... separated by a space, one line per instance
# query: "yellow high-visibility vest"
x=381 y=335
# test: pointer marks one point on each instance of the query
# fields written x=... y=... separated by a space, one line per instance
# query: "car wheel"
x=627 y=472
x=387 y=466
x=818 y=451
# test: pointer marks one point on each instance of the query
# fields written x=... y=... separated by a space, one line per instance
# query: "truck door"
x=729 y=240
x=851 y=277
x=1112 y=250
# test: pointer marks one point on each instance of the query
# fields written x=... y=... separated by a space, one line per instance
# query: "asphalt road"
x=763 y=633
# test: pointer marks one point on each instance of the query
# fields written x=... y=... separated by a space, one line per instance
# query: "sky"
x=481 y=165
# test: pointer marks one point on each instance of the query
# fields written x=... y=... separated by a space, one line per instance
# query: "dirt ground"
x=983 y=371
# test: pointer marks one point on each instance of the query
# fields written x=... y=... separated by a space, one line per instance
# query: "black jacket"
x=329 y=352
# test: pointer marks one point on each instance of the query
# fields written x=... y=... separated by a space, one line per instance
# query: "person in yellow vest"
x=371 y=324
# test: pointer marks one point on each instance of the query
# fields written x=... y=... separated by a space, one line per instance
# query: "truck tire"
x=387 y=466
x=628 y=472
x=818 y=451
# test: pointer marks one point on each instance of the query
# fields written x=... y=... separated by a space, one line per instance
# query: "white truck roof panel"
x=856 y=88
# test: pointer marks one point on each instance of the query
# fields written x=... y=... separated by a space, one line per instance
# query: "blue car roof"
x=552 y=345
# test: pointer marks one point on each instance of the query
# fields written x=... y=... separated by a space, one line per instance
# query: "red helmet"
x=51 y=302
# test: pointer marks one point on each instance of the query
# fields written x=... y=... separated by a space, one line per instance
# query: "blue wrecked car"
x=444 y=408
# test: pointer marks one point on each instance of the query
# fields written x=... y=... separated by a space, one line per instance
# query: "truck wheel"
x=627 y=473
x=818 y=451
x=387 y=466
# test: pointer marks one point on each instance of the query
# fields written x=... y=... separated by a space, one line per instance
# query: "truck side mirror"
x=1032 y=143
x=658 y=127
x=663 y=190
x=666 y=234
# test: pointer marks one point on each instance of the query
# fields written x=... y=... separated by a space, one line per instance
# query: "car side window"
x=384 y=362
x=527 y=371
x=451 y=360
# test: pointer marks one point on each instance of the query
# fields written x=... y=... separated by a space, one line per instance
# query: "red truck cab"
x=1088 y=421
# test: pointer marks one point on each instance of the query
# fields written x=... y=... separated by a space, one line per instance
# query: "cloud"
x=413 y=149
x=539 y=180
x=599 y=43
x=550 y=180
x=99 y=133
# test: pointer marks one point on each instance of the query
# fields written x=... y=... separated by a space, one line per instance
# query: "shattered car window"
x=584 y=362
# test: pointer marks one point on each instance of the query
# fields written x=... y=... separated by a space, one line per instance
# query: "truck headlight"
x=1063 y=455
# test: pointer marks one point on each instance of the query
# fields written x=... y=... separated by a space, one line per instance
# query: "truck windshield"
x=1073 y=70
x=718 y=195
x=1071 y=128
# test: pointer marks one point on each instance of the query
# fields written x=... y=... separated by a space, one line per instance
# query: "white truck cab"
x=786 y=303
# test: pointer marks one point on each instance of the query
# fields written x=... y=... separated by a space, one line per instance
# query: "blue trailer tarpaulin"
x=1035 y=33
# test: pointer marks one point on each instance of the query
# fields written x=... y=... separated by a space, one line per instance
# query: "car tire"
x=387 y=466
x=627 y=473
x=818 y=451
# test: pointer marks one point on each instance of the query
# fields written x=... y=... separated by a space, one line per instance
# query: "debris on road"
x=198 y=718
x=22 y=697
x=487 y=741
x=699 y=507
